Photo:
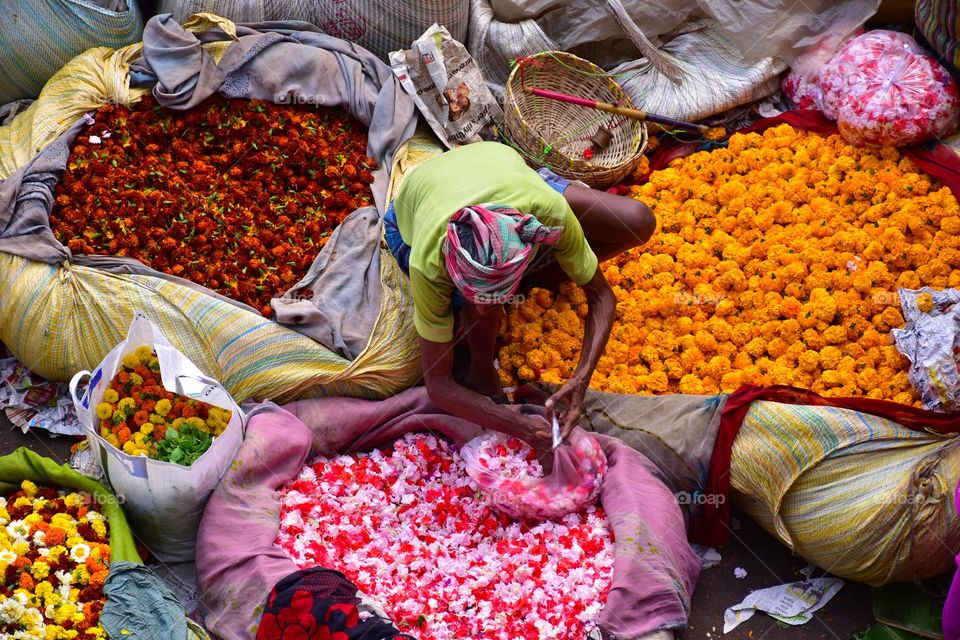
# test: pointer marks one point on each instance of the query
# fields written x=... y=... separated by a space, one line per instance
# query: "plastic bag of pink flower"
x=883 y=90
x=801 y=91
x=801 y=84
x=508 y=474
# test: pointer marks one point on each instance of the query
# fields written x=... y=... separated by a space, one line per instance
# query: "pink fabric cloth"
x=655 y=569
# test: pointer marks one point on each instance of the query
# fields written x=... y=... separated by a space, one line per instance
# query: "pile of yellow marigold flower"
x=776 y=261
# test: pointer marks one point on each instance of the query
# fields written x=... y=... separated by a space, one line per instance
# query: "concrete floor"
x=766 y=561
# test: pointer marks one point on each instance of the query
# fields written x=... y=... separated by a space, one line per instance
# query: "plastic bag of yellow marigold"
x=163 y=433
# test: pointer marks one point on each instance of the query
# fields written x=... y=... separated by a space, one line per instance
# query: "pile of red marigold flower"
x=236 y=195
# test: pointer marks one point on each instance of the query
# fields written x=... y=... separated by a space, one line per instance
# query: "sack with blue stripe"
x=37 y=37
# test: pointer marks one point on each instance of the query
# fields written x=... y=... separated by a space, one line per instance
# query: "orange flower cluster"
x=139 y=416
x=776 y=261
x=235 y=195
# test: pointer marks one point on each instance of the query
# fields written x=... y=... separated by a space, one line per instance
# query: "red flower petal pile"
x=413 y=531
x=235 y=195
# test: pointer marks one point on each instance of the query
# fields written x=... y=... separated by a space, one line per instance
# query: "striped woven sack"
x=37 y=37
x=82 y=85
x=939 y=22
x=495 y=44
x=855 y=494
x=697 y=74
x=60 y=319
x=381 y=26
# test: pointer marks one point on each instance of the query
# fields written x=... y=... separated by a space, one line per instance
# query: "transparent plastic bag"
x=800 y=85
x=801 y=91
x=509 y=476
x=837 y=76
x=882 y=90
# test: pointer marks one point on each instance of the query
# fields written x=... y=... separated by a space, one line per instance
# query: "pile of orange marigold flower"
x=236 y=195
x=776 y=261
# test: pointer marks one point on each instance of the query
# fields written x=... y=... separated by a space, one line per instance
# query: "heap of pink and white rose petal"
x=412 y=530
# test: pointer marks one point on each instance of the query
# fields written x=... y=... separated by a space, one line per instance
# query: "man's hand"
x=531 y=428
x=601 y=305
x=569 y=400
x=534 y=428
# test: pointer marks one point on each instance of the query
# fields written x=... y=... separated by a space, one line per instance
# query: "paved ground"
x=767 y=563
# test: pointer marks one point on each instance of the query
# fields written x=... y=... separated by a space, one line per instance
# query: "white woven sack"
x=697 y=74
x=493 y=44
x=380 y=26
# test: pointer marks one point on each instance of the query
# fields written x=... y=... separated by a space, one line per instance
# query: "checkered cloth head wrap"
x=488 y=247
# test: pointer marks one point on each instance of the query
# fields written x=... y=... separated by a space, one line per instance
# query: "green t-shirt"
x=479 y=173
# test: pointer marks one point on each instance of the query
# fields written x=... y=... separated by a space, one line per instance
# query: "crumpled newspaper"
x=33 y=402
x=448 y=88
x=792 y=603
x=84 y=461
x=930 y=339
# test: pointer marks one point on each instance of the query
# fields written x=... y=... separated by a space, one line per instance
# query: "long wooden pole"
x=635 y=114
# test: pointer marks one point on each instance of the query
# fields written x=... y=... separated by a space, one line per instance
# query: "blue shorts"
x=401 y=250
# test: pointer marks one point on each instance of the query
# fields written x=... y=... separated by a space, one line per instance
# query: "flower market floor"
x=766 y=561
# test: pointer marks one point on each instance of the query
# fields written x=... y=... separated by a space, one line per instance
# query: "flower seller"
x=476 y=227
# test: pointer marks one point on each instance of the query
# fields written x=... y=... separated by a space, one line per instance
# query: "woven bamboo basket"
x=556 y=135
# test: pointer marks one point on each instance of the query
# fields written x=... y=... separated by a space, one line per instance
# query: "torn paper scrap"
x=792 y=603
x=709 y=557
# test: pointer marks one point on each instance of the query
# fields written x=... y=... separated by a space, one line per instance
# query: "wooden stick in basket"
x=635 y=114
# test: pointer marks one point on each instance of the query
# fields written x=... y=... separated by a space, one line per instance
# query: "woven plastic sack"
x=939 y=22
x=381 y=26
x=495 y=464
x=700 y=72
x=855 y=494
x=60 y=319
x=39 y=37
x=495 y=44
x=883 y=90
x=46 y=328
